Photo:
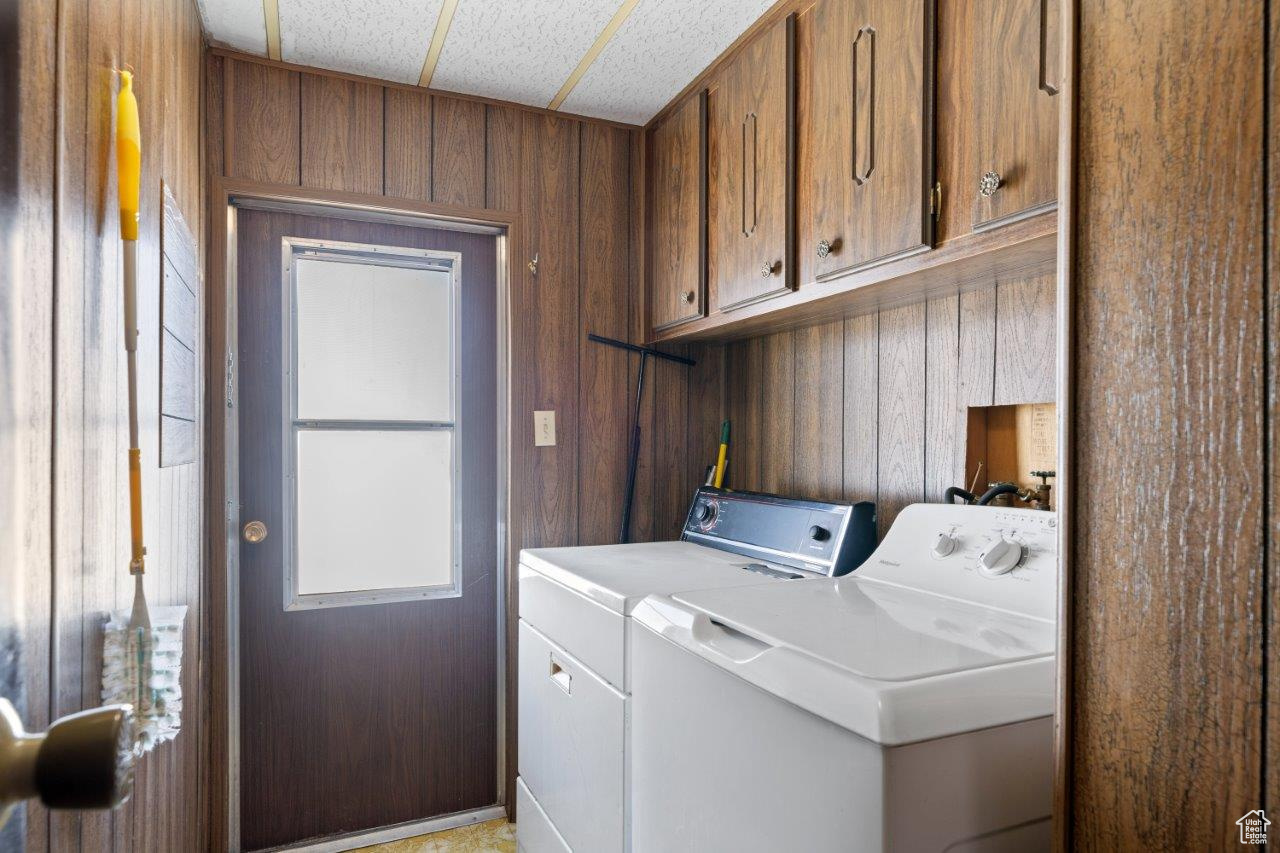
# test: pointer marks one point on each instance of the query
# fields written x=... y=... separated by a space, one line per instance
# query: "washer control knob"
x=819 y=534
x=704 y=512
x=1000 y=557
x=944 y=545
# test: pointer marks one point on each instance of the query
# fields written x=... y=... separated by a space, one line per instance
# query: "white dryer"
x=574 y=648
x=905 y=707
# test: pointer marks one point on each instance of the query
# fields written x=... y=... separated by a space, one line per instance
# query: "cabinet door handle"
x=863 y=125
x=825 y=247
x=989 y=183
x=687 y=297
x=767 y=268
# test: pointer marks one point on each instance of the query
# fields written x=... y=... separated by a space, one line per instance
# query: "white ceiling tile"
x=237 y=24
x=386 y=39
x=656 y=52
x=519 y=51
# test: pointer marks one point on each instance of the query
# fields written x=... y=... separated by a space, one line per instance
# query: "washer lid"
x=874 y=629
x=893 y=665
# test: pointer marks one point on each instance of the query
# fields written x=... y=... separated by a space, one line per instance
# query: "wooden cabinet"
x=999 y=74
x=677 y=226
x=751 y=187
x=866 y=158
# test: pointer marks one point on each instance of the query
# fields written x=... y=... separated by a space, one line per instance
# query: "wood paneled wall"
x=1173 y=689
x=66 y=429
x=573 y=186
x=873 y=408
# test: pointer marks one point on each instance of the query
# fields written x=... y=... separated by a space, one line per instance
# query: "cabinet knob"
x=254 y=532
x=824 y=248
x=989 y=183
x=687 y=297
x=767 y=268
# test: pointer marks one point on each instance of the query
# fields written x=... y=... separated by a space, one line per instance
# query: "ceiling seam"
x=443 y=22
x=593 y=52
x=271 y=19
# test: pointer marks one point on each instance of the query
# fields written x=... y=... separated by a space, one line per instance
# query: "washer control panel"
x=998 y=557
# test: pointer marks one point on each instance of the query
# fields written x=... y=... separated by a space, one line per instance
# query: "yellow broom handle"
x=129 y=169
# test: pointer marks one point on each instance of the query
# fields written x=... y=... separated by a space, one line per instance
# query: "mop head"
x=144 y=669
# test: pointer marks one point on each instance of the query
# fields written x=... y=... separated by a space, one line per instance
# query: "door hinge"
x=935 y=200
x=231 y=379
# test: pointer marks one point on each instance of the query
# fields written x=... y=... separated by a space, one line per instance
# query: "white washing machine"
x=575 y=689
x=905 y=707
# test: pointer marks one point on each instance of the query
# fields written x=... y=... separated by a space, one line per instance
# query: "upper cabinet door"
x=1016 y=59
x=677 y=235
x=750 y=138
x=867 y=151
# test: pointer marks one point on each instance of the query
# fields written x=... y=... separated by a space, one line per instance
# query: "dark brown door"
x=355 y=713
x=677 y=244
x=868 y=161
x=750 y=120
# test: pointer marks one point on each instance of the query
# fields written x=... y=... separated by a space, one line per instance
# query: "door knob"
x=84 y=760
x=687 y=297
x=254 y=532
x=767 y=268
x=989 y=183
x=824 y=248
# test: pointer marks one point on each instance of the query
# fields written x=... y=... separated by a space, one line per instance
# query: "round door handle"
x=254 y=532
x=767 y=268
x=824 y=248
x=989 y=183
x=687 y=297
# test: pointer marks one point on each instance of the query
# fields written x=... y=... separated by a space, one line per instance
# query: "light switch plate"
x=544 y=428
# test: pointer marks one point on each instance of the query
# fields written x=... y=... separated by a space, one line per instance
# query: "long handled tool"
x=129 y=167
x=633 y=454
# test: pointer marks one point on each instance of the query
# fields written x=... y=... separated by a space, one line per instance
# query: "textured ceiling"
x=525 y=51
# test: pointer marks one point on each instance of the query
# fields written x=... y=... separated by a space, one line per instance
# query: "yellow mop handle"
x=128 y=156
x=129 y=170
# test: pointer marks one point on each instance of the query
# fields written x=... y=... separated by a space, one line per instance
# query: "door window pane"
x=373 y=341
x=374 y=510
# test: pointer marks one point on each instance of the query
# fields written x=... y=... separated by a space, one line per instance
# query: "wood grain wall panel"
x=1168 y=294
x=341 y=134
x=977 y=368
x=860 y=375
x=28 y=228
x=548 y=303
x=71 y=505
x=744 y=389
x=604 y=391
x=638 y=332
x=818 y=412
x=407 y=144
x=670 y=447
x=706 y=414
x=944 y=428
x=460 y=152
x=262 y=110
x=777 y=431
x=1271 y=783
x=902 y=410
x=1024 y=326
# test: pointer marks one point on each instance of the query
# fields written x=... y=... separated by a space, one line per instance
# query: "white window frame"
x=294 y=249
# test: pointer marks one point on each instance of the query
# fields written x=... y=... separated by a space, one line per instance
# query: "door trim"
x=398 y=832
x=222 y=474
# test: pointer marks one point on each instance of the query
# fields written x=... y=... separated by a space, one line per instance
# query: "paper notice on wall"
x=1037 y=426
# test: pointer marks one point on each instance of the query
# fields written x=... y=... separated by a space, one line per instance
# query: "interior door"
x=366 y=384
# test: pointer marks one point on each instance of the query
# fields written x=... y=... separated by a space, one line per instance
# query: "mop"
x=141 y=656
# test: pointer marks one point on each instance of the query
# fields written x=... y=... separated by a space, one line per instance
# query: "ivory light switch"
x=544 y=428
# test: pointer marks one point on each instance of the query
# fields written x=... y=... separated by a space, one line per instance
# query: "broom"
x=142 y=651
